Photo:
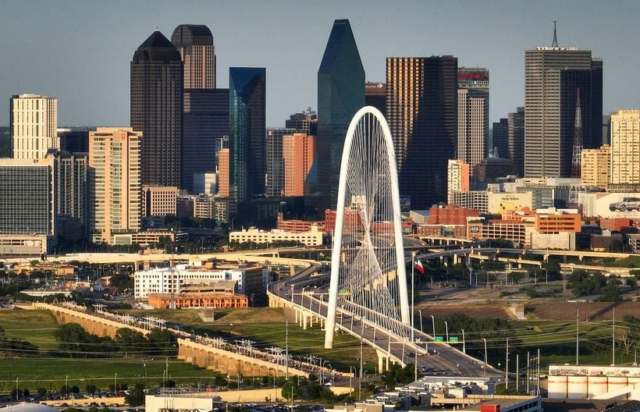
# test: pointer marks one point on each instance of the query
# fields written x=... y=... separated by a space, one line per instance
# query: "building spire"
x=555 y=36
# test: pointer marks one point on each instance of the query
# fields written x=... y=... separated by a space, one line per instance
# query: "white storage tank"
x=617 y=382
x=577 y=387
x=557 y=387
x=597 y=385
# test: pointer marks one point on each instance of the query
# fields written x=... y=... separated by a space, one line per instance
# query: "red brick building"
x=451 y=215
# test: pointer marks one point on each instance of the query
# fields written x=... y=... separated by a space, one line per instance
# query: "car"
x=627 y=203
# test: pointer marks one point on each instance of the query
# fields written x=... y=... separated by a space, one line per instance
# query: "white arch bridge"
x=367 y=296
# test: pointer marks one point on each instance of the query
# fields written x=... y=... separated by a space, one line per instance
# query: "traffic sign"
x=438 y=339
x=454 y=339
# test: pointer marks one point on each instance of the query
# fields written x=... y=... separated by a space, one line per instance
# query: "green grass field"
x=35 y=326
x=267 y=327
x=51 y=373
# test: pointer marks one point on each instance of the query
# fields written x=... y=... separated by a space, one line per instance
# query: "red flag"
x=420 y=267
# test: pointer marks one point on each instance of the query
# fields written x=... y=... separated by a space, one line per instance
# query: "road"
x=447 y=361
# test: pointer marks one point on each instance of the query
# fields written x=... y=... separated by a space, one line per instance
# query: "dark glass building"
x=422 y=107
x=375 y=94
x=205 y=120
x=247 y=132
x=156 y=109
x=515 y=140
x=500 y=137
x=340 y=95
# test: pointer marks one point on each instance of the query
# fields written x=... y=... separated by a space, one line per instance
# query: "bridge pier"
x=383 y=361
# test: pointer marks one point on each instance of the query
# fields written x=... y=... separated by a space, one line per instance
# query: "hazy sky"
x=79 y=51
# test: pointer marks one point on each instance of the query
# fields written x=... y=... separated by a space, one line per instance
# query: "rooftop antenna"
x=555 y=36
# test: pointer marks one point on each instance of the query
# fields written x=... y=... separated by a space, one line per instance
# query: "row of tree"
x=75 y=342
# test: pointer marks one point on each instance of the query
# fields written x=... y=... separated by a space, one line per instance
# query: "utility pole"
x=517 y=373
x=360 y=377
x=506 y=368
x=286 y=351
x=613 y=339
x=577 y=337
x=538 y=383
x=528 y=374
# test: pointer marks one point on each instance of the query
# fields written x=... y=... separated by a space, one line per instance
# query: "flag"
x=420 y=267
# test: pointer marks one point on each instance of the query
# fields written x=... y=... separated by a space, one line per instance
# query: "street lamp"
x=115 y=384
x=433 y=324
x=485 y=355
x=446 y=328
x=350 y=377
x=464 y=346
x=420 y=311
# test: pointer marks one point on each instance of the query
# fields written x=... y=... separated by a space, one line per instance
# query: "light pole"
x=485 y=355
x=446 y=328
x=464 y=346
x=115 y=384
x=144 y=363
x=433 y=324
x=420 y=311
x=302 y=297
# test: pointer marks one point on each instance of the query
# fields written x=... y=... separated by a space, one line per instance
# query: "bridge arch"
x=367 y=260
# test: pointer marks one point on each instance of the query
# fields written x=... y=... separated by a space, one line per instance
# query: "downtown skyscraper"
x=247 y=132
x=156 y=109
x=554 y=77
x=340 y=95
x=195 y=44
x=422 y=105
x=473 y=115
x=34 y=120
x=205 y=108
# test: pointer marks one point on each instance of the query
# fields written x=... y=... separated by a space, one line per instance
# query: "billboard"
x=498 y=203
x=611 y=205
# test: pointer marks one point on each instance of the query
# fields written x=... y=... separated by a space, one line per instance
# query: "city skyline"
x=65 y=36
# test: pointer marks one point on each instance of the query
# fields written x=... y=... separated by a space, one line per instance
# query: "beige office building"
x=298 y=153
x=625 y=147
x=34 y=123
x=116 y=201
x=159 y=200
x=457 y=178
x=596 y=165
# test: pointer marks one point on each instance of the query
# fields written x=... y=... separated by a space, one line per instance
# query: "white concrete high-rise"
x=625 y=147
x=34 y=124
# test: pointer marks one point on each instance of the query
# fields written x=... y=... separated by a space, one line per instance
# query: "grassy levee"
x=267 y=328
x=48 y=368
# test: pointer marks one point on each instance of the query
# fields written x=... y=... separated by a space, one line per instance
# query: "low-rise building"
x=313 y=237
x=249 y=278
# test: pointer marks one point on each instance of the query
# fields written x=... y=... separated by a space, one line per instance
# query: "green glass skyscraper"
x=340 y=95
x=247 y=132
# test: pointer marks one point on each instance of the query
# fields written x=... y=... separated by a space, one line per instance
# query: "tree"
x=612 y=291
x=289 y=389
x=91 y=389
x=42 y=392
x=131 y=341
x=631 y=282
x=515 y=277
x=162 y=342
x=135 y=396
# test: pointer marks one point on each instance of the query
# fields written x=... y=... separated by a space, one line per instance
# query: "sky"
x=80 y=50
